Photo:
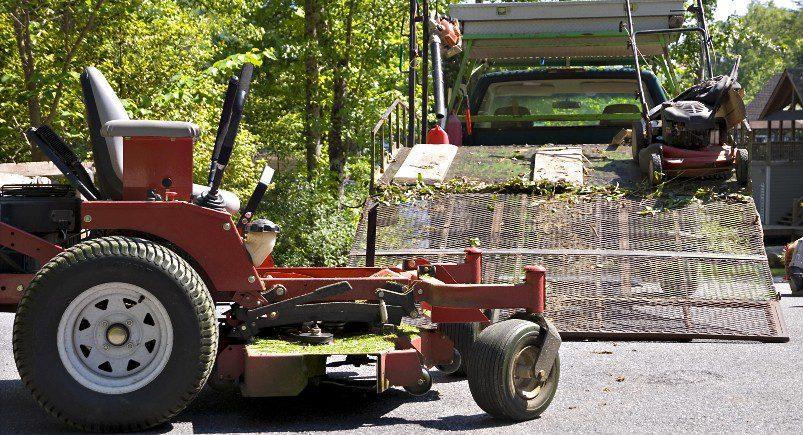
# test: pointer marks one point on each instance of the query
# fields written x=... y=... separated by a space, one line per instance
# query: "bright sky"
x=726 y=8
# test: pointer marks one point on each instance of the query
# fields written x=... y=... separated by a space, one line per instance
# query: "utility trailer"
x=682 y=273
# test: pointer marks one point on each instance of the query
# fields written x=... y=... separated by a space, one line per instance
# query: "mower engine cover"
x=702 y=115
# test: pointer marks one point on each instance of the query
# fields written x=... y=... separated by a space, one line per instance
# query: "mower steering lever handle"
x=223 y=126
x=237 y=106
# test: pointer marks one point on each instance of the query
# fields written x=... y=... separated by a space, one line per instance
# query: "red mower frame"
x=158 y=212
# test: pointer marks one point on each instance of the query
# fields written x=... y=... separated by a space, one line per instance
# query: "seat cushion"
x=229 y=198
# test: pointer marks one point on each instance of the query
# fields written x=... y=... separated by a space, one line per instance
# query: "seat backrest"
x=618 y=108
x=102 y=105
x=514 y=110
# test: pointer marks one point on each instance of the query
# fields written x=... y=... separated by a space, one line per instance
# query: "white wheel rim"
x=115 y=338
x=526 y=382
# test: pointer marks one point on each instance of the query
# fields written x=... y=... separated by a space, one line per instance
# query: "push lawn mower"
x=132 y=295
x=690 y=135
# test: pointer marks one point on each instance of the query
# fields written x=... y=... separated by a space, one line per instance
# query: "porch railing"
x=388 y=136
x=773 y=144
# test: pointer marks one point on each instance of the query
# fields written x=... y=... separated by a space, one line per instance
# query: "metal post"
x=370 y=237
x=398 y=125
x=411 y=80
x=371 y=187
x=437 y=79
x=382 y=148
x=425 y=71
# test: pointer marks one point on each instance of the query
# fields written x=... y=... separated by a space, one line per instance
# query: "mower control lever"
x=211 y=198
x=259 y=192
x=223 y=126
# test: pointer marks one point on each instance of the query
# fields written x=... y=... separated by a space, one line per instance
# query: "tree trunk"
x=337 y=149
x=21 y=21
x=312 y=115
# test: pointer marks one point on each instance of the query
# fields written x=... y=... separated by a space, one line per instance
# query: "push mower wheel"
x=638 y=139
x=500 y=373
x=115 y=334
x=463 y=336
x=742 y=167
x=655 y=171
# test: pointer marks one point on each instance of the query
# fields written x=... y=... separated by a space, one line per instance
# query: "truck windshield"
x=559 y=97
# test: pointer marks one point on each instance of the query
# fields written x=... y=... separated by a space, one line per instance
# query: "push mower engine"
x=687 y=124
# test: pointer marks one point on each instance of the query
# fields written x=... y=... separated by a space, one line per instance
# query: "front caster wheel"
x=454 y=366
x=115 y=334
x=501 y=371
x=463 y=336
x=423 y=386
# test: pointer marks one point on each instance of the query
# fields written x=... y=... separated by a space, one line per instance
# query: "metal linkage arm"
x=391 y=307
x=529 y=295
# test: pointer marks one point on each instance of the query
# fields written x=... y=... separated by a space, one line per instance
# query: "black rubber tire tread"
x=489 y=371
x=742 y=167
x=637 y=139
x=155 y=257
x=463 y=336
x=655 y=172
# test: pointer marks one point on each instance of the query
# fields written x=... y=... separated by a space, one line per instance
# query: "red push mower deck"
x=117 y=327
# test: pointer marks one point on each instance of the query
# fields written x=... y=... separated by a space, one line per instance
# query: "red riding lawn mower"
x=690 y=136
x=130 y=295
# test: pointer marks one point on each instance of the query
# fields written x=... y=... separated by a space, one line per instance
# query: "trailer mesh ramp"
x=615 y=269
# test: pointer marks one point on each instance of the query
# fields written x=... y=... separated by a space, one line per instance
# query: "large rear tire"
x=500 y=372
x=115 y=334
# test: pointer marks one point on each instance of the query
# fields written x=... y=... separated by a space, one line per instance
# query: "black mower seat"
x=109 y=122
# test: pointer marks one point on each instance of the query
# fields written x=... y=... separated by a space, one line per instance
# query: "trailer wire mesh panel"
x=616 y=269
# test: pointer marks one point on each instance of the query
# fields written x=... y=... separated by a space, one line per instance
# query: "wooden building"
x=776 y=153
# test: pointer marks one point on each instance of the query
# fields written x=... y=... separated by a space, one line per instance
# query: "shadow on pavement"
x=326 y=408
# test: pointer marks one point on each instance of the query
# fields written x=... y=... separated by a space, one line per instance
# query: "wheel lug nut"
x=105 y=347
x=104 y=323
x=128 y=323
x=130 y=345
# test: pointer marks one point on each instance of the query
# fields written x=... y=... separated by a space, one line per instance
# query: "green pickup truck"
x=555 y=105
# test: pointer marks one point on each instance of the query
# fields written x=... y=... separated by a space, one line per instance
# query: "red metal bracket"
x=26 y=243
x=530 y=294
x=11 y=287
x=231 y=362
x=209 y=237
x=398 y=367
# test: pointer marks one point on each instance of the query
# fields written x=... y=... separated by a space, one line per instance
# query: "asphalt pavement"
x=701 y=386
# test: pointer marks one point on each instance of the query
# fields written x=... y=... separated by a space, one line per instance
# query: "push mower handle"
x=237 y=106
